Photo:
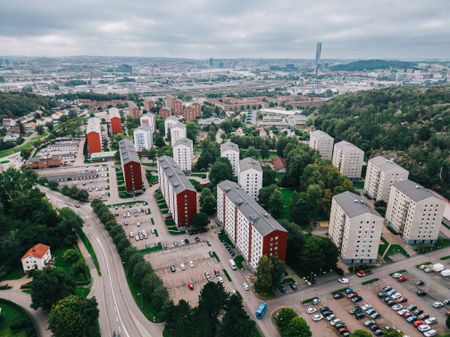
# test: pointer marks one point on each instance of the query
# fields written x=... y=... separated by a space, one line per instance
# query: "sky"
x=397 y=29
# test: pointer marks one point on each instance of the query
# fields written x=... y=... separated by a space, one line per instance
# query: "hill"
x=19 y=104
x=410 y=124
x=368 y=65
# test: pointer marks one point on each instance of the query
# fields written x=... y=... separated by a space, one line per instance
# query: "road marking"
x=112 y=292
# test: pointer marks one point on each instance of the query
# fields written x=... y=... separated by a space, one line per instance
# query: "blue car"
x=411 y=319
x=323 y=309
x=348 y=291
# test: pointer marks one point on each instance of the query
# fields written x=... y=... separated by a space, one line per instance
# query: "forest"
x=409 y=125
x=16 y=105
x=368 y=65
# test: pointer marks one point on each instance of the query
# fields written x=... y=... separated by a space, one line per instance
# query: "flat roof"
x=94 y=125
x=413 y=190
x=385 y=164
x=249 y=163
x=105 y=154
x=353 y=205
x=184 y=141
x=229 y=146
x=128 y=152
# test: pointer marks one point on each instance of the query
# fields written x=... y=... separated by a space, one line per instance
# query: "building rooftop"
x=249 y=163
x=184 y=141
x=385 y=164
x=175 y=176
x=148 y=114
x=127 y=152
x=413 y=190
x=37 y=251
x=263 y=222
x=229 y=146
x=320 y=134
x=94 y=125
x=171 y=119
x=353 y=205
x=346 y=146
x=143 y=129
x=179 y=125
x=132 y=105
x=113 y=112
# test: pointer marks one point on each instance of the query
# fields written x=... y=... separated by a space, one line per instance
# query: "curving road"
x=118 y=310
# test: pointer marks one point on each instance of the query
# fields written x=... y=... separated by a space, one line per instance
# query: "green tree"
x=40 y=130
x=392 y=333
x=200 y=220
x=71 y=256
x=264 y=195
x=284 y=317
x=264 y=151
x=211 y=304
x=208 y=202
x=235 y=321
x=297 y=327
x=192 y=131
x=50 y=286
x=74 y=316
x=221 y=170
x=269 y=176
x=251 y=152
x=179 y=320
x=159 y=140
x=276 y=204
x=264 y=276
x=361 y=333
x=447 y=322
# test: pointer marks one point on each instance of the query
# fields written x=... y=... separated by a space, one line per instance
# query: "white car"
x=331 y=317
x=430 y=333
x=431 y=320
x=396 y=275
x=402 y=312
x=182 y=266
x=220 y=279
x=396 y=295
x=246 y=286
x=317 y=318
x=191 y=264
x=438 y=305
x=316 y=300
x=423 y=266
x=424 y=328
x=397 y=307
x=343 y=280
x=366 y=307
x=311 y=310
x=335 y=321
x=428 y=270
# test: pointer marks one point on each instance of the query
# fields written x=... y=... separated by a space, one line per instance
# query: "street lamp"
x=140 y=294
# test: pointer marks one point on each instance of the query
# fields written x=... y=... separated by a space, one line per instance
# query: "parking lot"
x=190 y=263
x=135 y=220
x=67 y=149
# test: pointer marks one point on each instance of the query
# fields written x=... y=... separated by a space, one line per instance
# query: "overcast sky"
x=226 y=28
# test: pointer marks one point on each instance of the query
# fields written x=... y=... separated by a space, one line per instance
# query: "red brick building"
x=189 y=113
x=131 y=166
x=165 y=112
x=94 y=135
x=177 y=190
x=149 y=104
x=177 y=106
x=44 y=162
x=197 y=108
x=133 y=109
x=115 y=121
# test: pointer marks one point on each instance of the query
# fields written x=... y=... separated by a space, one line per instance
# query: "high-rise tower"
x=318 y=52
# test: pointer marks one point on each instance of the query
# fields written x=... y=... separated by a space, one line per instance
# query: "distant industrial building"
x=322 y=143
x=414 y=212
x=250 y=176
x=178 y=192
x=131 y=166
x=355 y=228
x=94 y=135
x=183 y=152
x=251 y=228
x=143 y=138
x=348 y=159
x=380 y=175
x=230 y=151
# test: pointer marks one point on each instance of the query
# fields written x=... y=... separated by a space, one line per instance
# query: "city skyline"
x=201 y=29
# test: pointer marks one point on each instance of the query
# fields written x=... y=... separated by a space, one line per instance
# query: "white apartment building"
x=381 y=174
x=143 y=138
x=149 y=120
x=355 y=228
x=414 y=212
x=253 y=231
x=322 y=142
x=168 y=123
x=348 y=159
x=230 y=151
x=250 y=176
x=183 y=151
x=177 y=132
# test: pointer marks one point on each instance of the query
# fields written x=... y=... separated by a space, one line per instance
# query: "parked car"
x=421 y=292
x=173 y=269
x=343 y=280
x=317 y=318
x=402 y=278
x=396 y=275
x=431 y=320
x=190 y=286
x=316 y=300
x=419 y=283
x=246 y=286
x=311 y=310
x=438 y=305
x=338 y=296
x=430 y=333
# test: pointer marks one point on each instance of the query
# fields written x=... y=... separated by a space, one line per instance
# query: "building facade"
x=177 y=106
x=250 y=176
x=178 y=192
x=143 y=138
x=37 y=257
x=355 y=228
x=322 y=142
x=168 y=124
x=177 y=132
x=149 y=120
x=94 y=135
x=414 y=212
x=165 y=112
x=253 y=230
x=230 y=151
x=131 y=167
x=149 y=104
x=115 y=121
x=189 y=113
x=380 y=175
x=183 y=152
x=133 y=109
x=348 y=159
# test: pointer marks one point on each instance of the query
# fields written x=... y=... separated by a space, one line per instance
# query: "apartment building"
x=414 y=212
x=94 y=135
x=253 y=230
x=177 y=106
x=348 y=159
x=380 y=175
x=149 y=120
x=114 y=120
x=165 y=112
x=322 y=142
x=131 y=166
x=149 y=104
x=143 y=138
x=230 y=151
x=183 y=152
x=250 y=176
x=178 y=192
x=355 y=228
x=133 y=109
x=177 y=132
x=189 y=113
x=168 y=123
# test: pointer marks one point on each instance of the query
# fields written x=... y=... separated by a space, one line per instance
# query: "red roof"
x=278 y=163
x=37 y=251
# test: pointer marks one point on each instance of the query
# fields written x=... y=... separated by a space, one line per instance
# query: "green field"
x=24 y=146
x=14 y=321
x=287 y=197
x=89 y=248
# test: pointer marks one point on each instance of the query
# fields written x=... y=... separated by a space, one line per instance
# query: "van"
x=233 y=264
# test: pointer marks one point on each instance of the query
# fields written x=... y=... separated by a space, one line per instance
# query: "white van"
x=233 y=264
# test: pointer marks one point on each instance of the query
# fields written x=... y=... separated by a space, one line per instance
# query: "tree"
x=276 y=204
x=297 y=327
x=53 y=185
x=283 y=318
x=392 y=333
x=235 y=321
x=211 y=304
x=251 y=152
x=264 y=151
x=269 y=176
x=71 y=256
x=179 y=320
x=192 y=131
x=40 y=130
x=361 y=333
x=200 y=220
x=278 y=271
x=74 y=316
x=159 y=140
x=264 y=276
x=264 y=195
x=50 y=286
x=208 y=202
x=220 y=170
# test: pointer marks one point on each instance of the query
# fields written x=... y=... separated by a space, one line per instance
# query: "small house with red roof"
x=37 y=257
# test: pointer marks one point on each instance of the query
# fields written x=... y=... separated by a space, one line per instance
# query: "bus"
x=261 y=310
x=233 y=264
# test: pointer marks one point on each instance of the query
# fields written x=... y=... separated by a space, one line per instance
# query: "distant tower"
x=317 y=63
x=211 y=62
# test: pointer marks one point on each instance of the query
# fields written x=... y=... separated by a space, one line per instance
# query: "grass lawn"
x=200 y=175
x=383 y=246
x=358 y=185
x=172 y=227
x=15 y=274
x=150 y=177
x=441 y=243
x=370 y=281
x=83 y=292
x=59 y=262
x=394 y=249
x=287 y=197
x=149 y=164
x=224 y=238
x=12 y=313
x=24 y=146
x=157 y=248
x=89 y=248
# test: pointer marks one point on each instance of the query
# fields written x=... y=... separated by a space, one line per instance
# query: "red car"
x=418 y=323
x=408 y=314
x=190 y=286
x=402 y=278
x=353 y=294
x=360 y=273
x=401 y=300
